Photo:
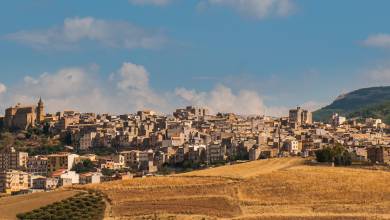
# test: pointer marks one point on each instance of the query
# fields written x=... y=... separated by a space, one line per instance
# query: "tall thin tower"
x=40 y=111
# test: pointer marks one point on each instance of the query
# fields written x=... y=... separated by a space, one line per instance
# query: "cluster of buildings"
x=145 y=143
x=21 y=173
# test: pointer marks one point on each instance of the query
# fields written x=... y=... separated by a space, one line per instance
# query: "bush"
x=337 y=154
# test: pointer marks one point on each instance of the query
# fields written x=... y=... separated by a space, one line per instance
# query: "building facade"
x=12 y=159
x=300 y=116
x=23 y=117
x=379 y=154
x=12 y=181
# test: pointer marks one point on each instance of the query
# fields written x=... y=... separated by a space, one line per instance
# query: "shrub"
x=337 y=154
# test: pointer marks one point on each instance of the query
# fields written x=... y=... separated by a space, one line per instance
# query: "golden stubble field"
x=270 y=189
x=13 y=205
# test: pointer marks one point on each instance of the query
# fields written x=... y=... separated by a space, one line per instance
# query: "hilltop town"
x=42 y=151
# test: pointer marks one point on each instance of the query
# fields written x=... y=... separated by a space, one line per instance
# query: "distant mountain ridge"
x=365 y=103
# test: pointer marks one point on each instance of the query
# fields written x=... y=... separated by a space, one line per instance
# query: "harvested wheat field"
x=270 y=189
x=13 y=205
x=246 y=170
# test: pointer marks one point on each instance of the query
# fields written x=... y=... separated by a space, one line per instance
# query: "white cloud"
x=223 y=99
x=3 y=88
x=378 y=40
x=258 y=9
x=133 y=77
x=67 y=88
x=115 y=34
x=150 y=2
x=127 y=90
x=64 y=83
x=81 y=89
x=133 y=82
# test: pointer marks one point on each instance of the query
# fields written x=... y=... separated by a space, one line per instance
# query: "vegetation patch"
x=84 y=206
x=337 y=155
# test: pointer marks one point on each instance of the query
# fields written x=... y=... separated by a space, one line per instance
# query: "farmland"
x=270 y=189
x=11 y=206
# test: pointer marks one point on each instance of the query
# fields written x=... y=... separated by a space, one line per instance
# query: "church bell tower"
x=40 y=111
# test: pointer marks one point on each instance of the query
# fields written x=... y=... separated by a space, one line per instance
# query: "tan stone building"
x=300 y=116
x=23 y=117
x=60 y=161
x=12 y=181
x=380 y=154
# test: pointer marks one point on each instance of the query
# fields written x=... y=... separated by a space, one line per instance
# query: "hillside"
x=269 y=189
x=13 y=205
x=367 y=102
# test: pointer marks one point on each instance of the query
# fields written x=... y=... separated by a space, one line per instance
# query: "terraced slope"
x=246 y=170
x=271 y=189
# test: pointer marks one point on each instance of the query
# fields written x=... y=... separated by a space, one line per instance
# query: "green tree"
x=84 y=167
x=337 y=154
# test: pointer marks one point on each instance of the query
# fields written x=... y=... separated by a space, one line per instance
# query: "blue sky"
x=244 y=56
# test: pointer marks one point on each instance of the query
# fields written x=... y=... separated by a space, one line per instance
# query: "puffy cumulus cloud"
x=64 y=83
x=224 y=99
x=258 y=9
x=132 y=81
x=133 y=77
x=150 y=2
x=83 y=89
x=67 y=88
x=128 y=90
x=116 y=34
x=378 y=40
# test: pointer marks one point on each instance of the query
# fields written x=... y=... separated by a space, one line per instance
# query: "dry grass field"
x=247 y=170
x=270 y=189
x=11 y=206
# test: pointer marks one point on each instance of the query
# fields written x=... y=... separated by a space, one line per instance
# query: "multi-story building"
x=12 y=181
x=12 y=159
x=44 y=183
x=292 y=146
x=379 y=154
x=37 y=165
x=300 y=116
x=131 y=158
x=86 y=141
x=197 y=153
x=61 y=161
x=254 y=153
x=338 y=120
x=216 y=152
